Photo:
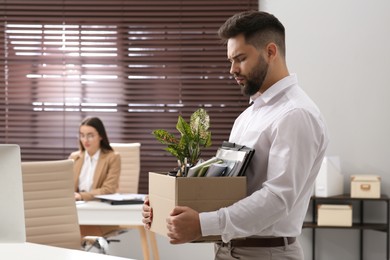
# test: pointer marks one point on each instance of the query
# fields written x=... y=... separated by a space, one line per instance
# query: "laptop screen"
x=12 y=225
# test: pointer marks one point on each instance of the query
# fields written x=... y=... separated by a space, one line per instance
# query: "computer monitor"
x=12 y=225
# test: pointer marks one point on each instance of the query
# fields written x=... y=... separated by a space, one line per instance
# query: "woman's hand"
x=77 y=196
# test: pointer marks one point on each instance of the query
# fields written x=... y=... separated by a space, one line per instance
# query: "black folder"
x=241 y=167
x=122 y=199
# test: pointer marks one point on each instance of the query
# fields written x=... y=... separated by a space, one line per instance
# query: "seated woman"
x=96 y=167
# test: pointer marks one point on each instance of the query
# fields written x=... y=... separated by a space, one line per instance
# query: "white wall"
x=341 y=53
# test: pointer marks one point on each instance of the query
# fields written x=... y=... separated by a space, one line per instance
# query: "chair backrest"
x=50 y=208
x=130 y=166
x=11 y=192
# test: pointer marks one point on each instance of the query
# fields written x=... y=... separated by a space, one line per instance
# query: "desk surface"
x=102 y=213
x=30 y=251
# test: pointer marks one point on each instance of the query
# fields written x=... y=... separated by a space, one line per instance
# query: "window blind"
x=137 y=65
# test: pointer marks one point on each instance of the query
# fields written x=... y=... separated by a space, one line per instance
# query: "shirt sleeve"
x=295 y=142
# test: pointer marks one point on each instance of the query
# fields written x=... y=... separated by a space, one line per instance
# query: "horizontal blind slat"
x=135 y=64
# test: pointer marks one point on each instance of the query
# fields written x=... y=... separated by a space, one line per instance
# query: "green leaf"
x=183 y=128
x=193 y=137
x=165 y=137
x=200 y=120
x=173 y=150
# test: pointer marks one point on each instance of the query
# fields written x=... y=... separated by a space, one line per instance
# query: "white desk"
x=101 y=213
x=30 y=251
x=105 y=214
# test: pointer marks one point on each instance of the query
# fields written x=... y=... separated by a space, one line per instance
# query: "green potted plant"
x=193 y=137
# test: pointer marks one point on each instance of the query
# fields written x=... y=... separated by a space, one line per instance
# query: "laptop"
x=12 y=225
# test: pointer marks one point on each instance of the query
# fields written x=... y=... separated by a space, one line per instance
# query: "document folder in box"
x=231 y=160
x=241 y=155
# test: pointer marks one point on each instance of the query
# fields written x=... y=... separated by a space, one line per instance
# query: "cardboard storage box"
x=334 y=215
x=365 y=186
x=199 y=193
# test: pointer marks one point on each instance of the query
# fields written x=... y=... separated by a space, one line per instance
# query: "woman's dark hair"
x=259 y=29
x=96 y=123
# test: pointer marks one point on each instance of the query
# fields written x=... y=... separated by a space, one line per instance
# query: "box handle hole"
x=365 y=187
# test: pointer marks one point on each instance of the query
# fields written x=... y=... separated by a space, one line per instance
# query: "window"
x=135 y=64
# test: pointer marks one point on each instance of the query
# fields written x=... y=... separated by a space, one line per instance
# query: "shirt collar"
x=262 y=99
x=94 y=157
x=254 y=97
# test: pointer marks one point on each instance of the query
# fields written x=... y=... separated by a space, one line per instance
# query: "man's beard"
x=255 y=78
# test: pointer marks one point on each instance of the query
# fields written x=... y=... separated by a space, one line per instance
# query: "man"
x=289 y=135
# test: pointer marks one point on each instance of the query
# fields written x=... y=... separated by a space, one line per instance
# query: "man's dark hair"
x=259 y=29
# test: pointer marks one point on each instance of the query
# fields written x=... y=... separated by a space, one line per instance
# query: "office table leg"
x=144 y=242
x=153 y=244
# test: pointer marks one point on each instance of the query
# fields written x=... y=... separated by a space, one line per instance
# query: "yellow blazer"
x=106 y=176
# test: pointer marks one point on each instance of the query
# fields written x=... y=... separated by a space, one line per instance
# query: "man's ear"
x=272 y=50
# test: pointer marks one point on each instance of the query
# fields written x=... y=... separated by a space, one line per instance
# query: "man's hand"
x=183 y=225
x=147 y=213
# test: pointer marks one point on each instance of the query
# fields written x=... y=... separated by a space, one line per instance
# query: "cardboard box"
x=334 y=215
x=365 y=186
x=200 y=193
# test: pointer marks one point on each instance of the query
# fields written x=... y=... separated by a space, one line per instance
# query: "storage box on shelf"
x=334 y=215
x=329 y=181
x=361 y=225
x=365 y=186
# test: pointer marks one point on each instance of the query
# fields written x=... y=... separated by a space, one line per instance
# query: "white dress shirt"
x=88 y=171
x=289 y=136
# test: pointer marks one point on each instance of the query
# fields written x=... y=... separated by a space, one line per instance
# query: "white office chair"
x=130 y=166
x=50 y=209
